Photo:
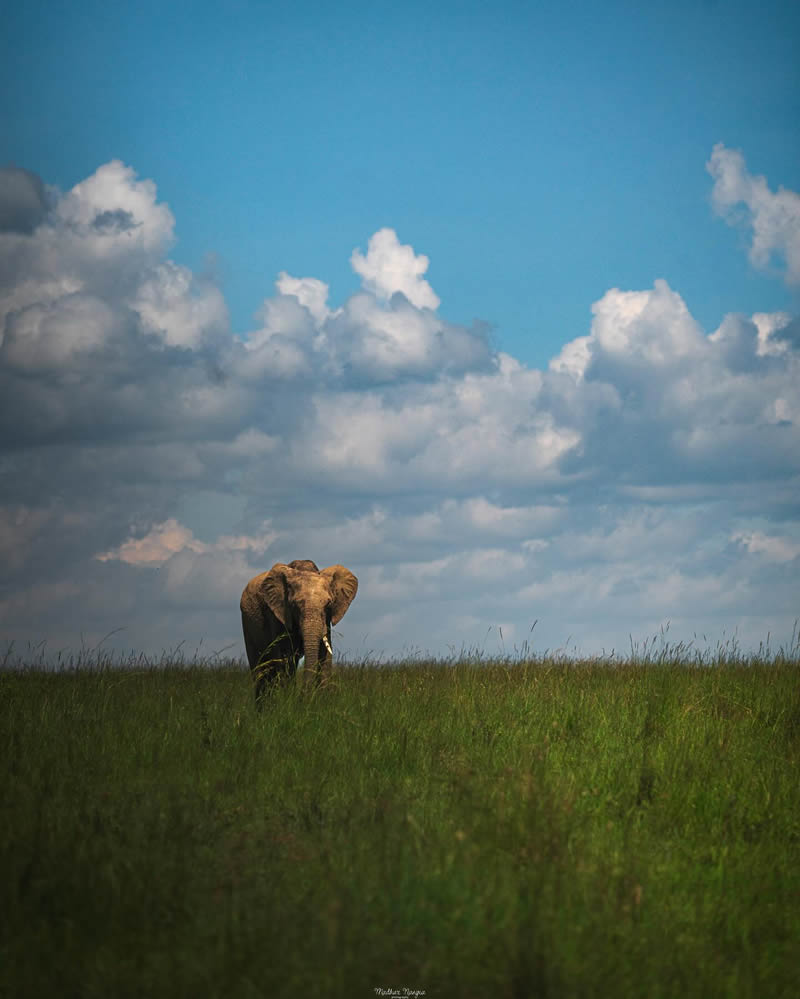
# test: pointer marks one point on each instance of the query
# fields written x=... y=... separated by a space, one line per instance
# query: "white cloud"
x=390 y=266
x=113 y=215
x=465 y=489
x=164 y=541
x=772 y=329
x=177 y=308
x=375 y=336
x=88 y=307
x=159 y=544
x=250 y=444
x=774 y=216
x=98 y=239
x=492 y=564
x=774 y=548
x=309 y=292
x=630 y=329
x=633 y=534
x=376 y=341
x=483 y=515
x=656 y=398
x=440 y=433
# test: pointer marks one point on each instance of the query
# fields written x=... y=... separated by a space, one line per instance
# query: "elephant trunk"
x=312 y=640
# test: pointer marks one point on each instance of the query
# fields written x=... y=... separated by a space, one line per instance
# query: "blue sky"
x=557 y=380
x=537 y=153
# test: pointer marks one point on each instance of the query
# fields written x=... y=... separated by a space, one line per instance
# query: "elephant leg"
x=259 y=669
x=271 y=677
x=283 y=658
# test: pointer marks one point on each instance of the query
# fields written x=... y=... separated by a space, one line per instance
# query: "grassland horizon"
x=656 y=648
x=471 y=826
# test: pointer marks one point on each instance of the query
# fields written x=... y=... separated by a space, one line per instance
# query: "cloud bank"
x=153 y=459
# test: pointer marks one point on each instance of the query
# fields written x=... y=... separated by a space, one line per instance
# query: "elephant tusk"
x=327 y=644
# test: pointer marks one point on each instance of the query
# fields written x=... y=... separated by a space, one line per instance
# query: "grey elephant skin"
x=288 y=613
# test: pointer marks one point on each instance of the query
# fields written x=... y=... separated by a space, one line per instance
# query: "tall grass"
x=541 y=828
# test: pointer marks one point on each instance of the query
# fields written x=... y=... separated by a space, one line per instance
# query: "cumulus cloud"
x=387 y=332
x=374 y=341
x=100 y=241
x=650 y=472
x=115 y=217
x=633 y=332
x=389 y=267
x=177 y=308
x=648 y=381
x=309 y=292
x=773 y=216
x=464 y=431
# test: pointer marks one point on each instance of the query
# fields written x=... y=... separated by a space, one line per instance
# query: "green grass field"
x=488 y=830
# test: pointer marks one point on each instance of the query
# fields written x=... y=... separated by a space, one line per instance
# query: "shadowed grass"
x=551 y=828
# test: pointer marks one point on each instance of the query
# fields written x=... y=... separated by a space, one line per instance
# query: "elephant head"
x=304 y=564
x=288 y=612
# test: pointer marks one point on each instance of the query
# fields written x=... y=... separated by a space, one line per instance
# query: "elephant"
x=288 y=612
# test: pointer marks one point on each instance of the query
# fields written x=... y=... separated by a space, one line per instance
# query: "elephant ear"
x=274 y=590
x=343 y=588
